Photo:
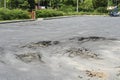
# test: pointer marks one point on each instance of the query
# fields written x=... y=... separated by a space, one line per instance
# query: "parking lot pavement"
x=75 y=48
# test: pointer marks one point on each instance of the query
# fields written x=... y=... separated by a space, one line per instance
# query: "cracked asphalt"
x=83 y=37
x=59 y=29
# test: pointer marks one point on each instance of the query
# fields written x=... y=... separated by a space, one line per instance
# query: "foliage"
x=56 y=8
x=6 y=14
x=86 y=6
x=48 y=13
x=84 y=13
x=101 y=10
x=68 y=8
x=25 y=5
x=99 y=3
x=14 y=3
x=70 y=2
x=32 y=4
x=110 y=3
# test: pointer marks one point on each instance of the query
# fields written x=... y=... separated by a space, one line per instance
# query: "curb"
x=60 y=17
x=49 y=18
x=13 y=21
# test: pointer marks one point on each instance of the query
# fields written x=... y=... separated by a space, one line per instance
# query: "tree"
x=99 y=3
x=32 y=4
x=86 y=5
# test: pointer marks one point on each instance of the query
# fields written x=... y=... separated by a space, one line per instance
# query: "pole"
x=77 y=5
x=38 y=4
x=4 y=3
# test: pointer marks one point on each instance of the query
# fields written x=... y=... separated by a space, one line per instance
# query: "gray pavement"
x=21 y=38
x=60 y=28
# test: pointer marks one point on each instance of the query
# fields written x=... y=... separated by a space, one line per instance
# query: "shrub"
x=86 y=6
x=6 y=14
x=101 y=10
x=20 y=14
x=48 y=13
x=67 y=8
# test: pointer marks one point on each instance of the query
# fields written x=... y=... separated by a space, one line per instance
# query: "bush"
x=48 y=13
x=20 y=14
x=86 y=6
x=101 y=10
x=67 y=8
x=6 y=14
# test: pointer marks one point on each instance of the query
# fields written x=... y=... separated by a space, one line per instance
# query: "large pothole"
x=91 y=38
x=82 y=52
x=35 y=45
x=29 y=57
x=70 y=47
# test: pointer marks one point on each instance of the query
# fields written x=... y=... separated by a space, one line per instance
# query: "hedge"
x=6 y=14
x=48 y=13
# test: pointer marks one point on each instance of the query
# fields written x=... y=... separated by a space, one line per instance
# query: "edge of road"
x=59 y=17
x=14 y=21
x=49 y=18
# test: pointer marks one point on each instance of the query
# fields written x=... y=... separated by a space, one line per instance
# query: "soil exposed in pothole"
x=97 y=74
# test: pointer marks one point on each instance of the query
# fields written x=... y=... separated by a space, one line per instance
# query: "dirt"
x=98 y=74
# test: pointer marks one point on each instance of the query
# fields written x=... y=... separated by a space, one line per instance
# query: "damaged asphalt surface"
x=76 y=48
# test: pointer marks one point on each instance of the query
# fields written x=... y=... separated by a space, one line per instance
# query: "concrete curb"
x=38 y=19
x=49 y=18
x=13 y=21
x=59 y=17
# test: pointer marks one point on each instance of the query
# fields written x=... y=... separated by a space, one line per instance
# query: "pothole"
x=91 y=38
x=40 y=44
x=29 y=57
x=98 y=74
x=82 y=52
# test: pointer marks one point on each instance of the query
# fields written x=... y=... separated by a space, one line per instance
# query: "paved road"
x=59 y=29
x=56 y=65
